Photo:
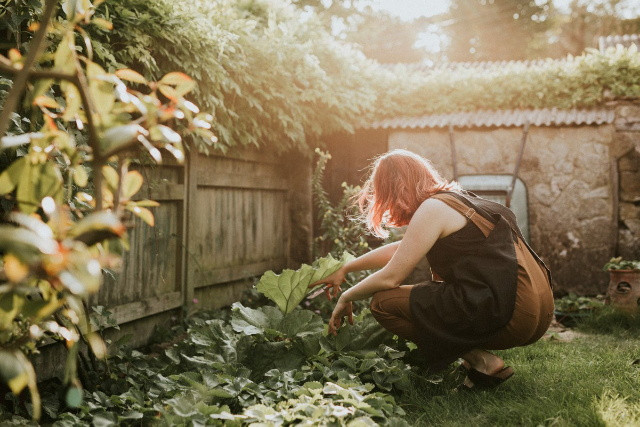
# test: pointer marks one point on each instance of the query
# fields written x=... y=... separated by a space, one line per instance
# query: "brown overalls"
x=529 y=310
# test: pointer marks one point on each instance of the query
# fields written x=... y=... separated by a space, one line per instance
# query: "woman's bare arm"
x=427 y=225
x=374 y=259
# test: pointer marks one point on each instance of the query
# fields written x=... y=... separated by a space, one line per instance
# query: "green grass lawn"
x=591 y=380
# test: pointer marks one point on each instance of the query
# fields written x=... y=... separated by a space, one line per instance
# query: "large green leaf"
x=269 y=320
x=17 y=372
x=10 y=176
x=290 y=287
x=10 y=305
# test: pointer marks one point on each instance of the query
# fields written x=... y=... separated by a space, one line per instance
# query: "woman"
x=490 y=290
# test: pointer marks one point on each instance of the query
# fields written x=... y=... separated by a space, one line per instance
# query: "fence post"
x=190 y=185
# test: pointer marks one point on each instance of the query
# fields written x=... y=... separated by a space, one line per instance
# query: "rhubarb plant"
x=290 y=287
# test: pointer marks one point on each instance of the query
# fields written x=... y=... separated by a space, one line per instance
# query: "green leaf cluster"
x=341 y=228
x=618 y=263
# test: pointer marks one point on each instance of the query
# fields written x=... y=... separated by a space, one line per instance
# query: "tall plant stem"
x=35 y=49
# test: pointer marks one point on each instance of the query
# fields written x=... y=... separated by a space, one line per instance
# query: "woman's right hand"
x=332 y=282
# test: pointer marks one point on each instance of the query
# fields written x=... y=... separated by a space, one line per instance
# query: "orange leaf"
x=45 y=101
x=130 y=75
x=15 y=55
x=102 y=23
x=175 y=78
x=14 y=269
x=143 y=213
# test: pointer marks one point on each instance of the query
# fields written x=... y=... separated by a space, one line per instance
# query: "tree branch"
x=35 y=49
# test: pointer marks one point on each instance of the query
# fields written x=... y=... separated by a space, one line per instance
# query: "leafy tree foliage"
x=586 y=22
x=585 y=81
x=386 y=38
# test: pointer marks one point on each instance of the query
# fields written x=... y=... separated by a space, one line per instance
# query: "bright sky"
x=411 y=9
x=433 y=39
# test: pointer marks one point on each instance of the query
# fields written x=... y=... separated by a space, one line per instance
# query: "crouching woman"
x=492 y=291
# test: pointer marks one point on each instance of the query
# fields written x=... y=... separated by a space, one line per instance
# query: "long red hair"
x=397 y=185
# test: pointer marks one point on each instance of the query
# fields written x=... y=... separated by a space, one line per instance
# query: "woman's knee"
x=390 y=302
x=376 y=303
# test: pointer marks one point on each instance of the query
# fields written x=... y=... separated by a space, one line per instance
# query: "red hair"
x=398 y=184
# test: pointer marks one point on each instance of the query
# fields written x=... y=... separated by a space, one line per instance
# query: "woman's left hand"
x=341 y=310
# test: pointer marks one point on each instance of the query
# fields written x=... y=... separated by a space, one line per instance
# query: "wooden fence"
x=222 y=220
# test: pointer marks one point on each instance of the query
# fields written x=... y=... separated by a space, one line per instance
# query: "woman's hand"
x=333 y=282
x=341 y=310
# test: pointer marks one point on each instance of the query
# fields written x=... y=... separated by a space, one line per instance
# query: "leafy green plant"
x=621 y=264
x=289 y=288
x=340 y=227
x=70 y=183
x=573 y=303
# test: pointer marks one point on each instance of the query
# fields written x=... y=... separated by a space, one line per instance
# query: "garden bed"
x=257 y=365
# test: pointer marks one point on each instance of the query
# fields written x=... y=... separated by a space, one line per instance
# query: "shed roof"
x=485 y=65
x=500 y=118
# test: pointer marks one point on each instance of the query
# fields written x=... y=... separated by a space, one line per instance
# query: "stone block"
x=627 y=117
x=598 y=193
x=623 y=141
x=629 y=211
x=633 y=225
x=628 y=112
x=629 y=163
x=629 y=186
x=628 y=245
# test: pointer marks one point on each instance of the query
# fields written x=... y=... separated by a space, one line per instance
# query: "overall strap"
x=470 y=213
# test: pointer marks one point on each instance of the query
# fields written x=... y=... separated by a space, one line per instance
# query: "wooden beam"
x=130 y=312
x=255 y=155
x=242 y=181
x=167 y=191
x=215 y=276
x=149 y=306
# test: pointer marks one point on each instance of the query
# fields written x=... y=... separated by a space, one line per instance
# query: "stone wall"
x=626 y=155
x=568 y=174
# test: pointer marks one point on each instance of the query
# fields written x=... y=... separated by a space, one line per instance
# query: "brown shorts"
x=532 y=315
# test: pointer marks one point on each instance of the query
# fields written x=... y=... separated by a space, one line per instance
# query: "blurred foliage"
x=272 y=75
x=68 y=184
x=573 y=303
x=588 y=20
x=618 y=263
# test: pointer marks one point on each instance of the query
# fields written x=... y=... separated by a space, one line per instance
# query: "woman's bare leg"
x=484 y=361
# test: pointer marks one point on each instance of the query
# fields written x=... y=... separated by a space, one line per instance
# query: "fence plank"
x=215 y=276
x=146 y=307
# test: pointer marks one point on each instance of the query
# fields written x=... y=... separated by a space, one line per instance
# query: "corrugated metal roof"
x=626 y=40
x=500 y=118
x=486 y=65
